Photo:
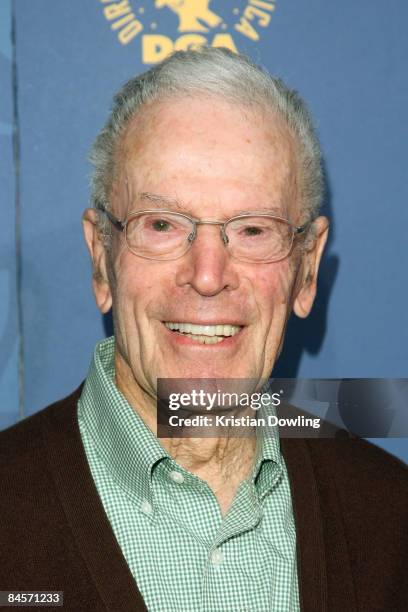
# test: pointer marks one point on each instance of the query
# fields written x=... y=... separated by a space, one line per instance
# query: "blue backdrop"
x=60 y=63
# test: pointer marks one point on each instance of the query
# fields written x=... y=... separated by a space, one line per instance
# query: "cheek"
x=133 y=282
x=274 y=285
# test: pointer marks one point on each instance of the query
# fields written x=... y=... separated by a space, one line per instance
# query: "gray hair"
x=216 y=72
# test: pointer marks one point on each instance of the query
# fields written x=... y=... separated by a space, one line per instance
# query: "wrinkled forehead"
x=193 y=114
x=183 y=139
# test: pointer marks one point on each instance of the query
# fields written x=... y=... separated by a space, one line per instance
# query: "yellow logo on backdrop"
x=198 y=23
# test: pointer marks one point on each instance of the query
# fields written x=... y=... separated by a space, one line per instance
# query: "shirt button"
x=146 y=507
x=177 y=477
x=217 y=557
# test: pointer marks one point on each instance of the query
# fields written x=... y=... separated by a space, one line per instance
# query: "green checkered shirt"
x=184 y=555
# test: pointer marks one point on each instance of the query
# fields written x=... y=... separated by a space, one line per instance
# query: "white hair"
x=221 y=73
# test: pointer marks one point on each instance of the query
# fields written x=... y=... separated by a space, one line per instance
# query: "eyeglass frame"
x=121 y=226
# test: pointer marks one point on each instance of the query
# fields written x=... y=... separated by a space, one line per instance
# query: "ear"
x=97 y=251
x=310 y=267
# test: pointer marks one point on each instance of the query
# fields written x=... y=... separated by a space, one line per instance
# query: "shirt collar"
x=123 y=441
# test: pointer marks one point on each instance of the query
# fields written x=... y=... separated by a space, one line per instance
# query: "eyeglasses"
x=165 y=235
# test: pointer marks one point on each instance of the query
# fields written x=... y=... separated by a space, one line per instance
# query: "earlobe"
x=103 y=296
x=97 y=251
x=305 y=298
x=307 y=292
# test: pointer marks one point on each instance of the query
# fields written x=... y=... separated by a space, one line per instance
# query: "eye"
x=161 y=225
x=252 y=230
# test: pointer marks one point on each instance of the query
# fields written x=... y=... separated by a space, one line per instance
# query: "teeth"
x=206 y=339
x=208 y=334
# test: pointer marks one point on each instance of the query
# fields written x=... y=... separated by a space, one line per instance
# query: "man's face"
x=216 y=161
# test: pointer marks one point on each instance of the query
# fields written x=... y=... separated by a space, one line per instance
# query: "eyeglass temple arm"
x=302 y=228
x=115 y=222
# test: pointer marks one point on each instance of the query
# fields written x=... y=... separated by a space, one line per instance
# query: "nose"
x=207 y=266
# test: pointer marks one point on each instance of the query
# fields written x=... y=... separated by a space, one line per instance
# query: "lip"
x=180 y=339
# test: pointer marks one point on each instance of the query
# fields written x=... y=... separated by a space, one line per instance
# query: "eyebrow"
x=160 y=200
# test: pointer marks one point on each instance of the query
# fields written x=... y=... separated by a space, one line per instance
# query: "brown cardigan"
x=350 y=502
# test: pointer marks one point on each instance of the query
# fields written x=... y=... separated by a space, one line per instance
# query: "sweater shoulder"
x=22 y=444
x=362 y=473
x=353 y=455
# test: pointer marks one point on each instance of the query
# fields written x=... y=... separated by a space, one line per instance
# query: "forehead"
x=198 y=148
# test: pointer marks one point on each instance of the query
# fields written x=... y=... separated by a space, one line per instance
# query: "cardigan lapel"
x=325 y=575
x=309 y=528
x=84 y=510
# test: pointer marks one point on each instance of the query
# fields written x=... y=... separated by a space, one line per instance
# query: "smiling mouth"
x=205 y=334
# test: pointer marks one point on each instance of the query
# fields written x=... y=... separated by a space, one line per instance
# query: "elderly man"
x=204 y=237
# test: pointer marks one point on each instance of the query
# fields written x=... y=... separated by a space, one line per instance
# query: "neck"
x=222 y=462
